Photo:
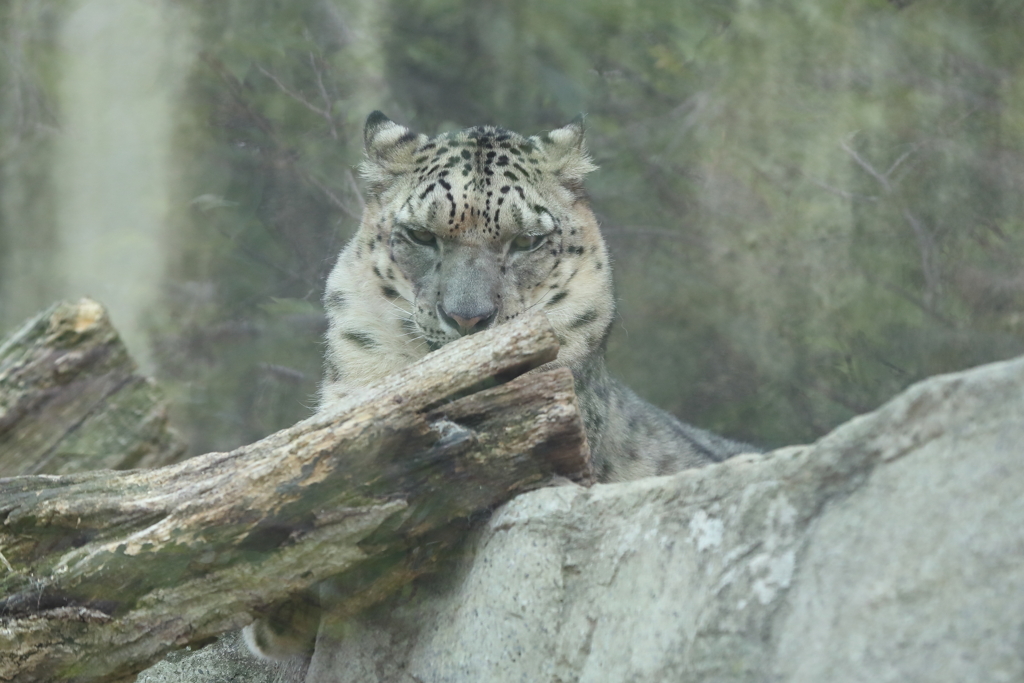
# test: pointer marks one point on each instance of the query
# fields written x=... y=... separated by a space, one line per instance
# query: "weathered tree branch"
x=112 y=569
x=71 y=399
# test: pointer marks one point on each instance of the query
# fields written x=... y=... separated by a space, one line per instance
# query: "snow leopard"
x=465 y=231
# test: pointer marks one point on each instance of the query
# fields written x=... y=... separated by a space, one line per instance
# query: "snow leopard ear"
x=389 y=151
x=567 y=151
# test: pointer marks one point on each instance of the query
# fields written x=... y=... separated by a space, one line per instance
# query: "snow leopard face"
x=461 y=232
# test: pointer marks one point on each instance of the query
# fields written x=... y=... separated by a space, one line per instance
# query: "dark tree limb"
x=109 y=570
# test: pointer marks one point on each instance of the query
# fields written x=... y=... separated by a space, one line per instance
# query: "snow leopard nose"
x=467 y=322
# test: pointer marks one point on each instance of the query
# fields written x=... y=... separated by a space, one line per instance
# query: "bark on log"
x=71 y=399
x=106 y=571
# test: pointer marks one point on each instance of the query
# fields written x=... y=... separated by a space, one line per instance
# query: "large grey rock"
x=891 y=550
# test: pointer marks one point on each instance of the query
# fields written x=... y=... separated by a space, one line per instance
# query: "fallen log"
x=104 y=572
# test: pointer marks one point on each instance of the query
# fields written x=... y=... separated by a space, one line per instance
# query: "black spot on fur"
x=377 y=273
x=556 y=298
x=406 y=138
x=334 y=374
x=361 y=339
x=585 y=319
x=335 y=300
x=389 y=292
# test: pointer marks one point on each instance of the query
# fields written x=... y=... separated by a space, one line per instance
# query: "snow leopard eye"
x=527 y=242
x=424 y=237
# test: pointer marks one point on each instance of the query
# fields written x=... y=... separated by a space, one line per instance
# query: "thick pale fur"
x=478 y=227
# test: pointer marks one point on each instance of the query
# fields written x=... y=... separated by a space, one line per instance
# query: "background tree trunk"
x=106 y=571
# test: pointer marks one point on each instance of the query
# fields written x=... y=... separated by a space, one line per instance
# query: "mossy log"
x=104 y=572
x=72 y=400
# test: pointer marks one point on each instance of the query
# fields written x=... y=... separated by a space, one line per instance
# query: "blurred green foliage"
x=811 y=203
x=28 y=121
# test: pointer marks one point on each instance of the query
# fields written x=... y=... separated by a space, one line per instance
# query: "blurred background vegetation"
x=811 y=203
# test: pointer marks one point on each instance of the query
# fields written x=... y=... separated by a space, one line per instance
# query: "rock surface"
x=890 y=550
